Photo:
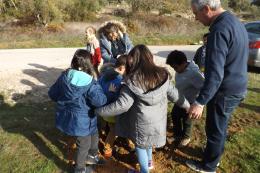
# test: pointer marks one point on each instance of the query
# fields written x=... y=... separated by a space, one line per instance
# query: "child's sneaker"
x=150 y=164
x=71 y=163
x=88 y=169
x=95 y=160
x=80 y=170
x=184 y=142
x=197 y=167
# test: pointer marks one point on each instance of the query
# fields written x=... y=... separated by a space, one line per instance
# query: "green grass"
x=31 y=37
x=30 y=143
x=43 y=41
x=28 y=139
x=242 y=152
x=244 y=155
x=59 y=40
x=165 y=39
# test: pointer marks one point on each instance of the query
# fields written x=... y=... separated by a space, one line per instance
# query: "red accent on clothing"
x=96 y=58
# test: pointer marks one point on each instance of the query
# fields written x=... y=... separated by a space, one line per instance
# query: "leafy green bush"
x=47 y=11
x=83 y=10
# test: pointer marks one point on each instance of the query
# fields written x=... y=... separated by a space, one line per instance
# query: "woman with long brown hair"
x=142 y=104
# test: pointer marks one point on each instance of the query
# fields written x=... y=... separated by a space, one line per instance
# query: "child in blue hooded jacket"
x=76 y=94
x=112 y=76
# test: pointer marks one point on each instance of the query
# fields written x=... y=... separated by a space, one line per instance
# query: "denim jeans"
x=143 y=156
x=219 y=110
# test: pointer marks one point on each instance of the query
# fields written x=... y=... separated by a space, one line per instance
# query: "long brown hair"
x=142 y=71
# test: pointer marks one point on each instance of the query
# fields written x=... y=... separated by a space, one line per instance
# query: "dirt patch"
x=26 y=76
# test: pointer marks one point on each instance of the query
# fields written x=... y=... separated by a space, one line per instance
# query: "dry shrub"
x=144 y=5
x=132 y=26
x=120 y=12
x=159 y=22
x=24 y=21
x=143 y=24
x=102 y=18
x=55 y=28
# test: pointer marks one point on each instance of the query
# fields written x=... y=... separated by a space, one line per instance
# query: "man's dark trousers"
x=219 y=110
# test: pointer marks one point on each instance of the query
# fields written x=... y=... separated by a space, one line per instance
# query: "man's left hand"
x=195 y=111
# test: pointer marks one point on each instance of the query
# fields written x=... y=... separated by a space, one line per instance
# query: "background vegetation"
x=61 y=23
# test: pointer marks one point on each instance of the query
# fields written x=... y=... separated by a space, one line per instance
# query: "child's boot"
x=131 y=145
x=71 y=148
x=107 y=151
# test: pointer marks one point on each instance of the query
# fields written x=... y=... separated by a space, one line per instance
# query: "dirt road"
x=26 y=74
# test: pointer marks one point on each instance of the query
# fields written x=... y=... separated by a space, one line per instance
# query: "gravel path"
x=26 y=74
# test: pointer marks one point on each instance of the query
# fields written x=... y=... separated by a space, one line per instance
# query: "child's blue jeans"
x=144 y=155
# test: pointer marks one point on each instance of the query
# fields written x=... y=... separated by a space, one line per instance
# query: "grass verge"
x=30 y=143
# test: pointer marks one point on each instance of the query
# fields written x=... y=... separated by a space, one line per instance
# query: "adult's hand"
x=195 y=111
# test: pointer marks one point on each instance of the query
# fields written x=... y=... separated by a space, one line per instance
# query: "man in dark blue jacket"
x=225 y=77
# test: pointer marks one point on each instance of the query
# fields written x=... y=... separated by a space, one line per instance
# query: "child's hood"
x=191 y=67
x=79 y=78
x=110 y=74
x=185 y=77
x=151 y=97
x=76 y=83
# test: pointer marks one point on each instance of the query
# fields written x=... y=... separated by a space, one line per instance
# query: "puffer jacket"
x=143 y=115
x=107 y=78
x=76 y=95
x=106 y=45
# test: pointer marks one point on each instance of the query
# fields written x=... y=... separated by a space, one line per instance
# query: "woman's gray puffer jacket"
x=143 y=116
